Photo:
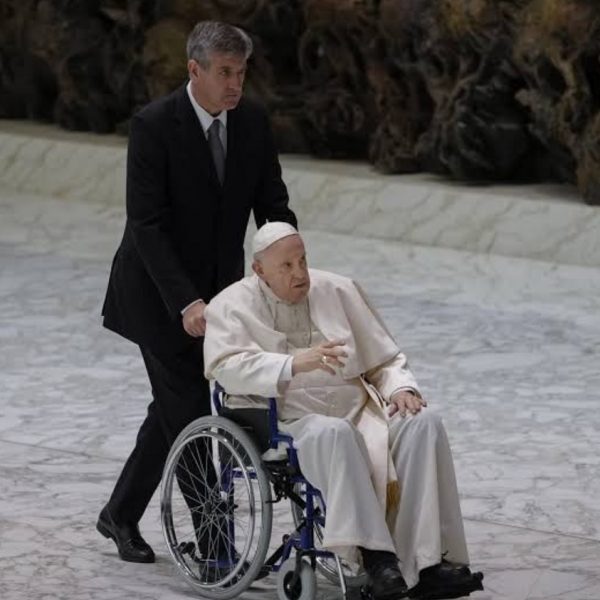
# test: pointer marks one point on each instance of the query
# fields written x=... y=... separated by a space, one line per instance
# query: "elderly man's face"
x=283 y=268
x=219 y=86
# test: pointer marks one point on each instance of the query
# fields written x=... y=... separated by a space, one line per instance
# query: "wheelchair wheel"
x=354 y=574
x=305 y=587
x=215 y=509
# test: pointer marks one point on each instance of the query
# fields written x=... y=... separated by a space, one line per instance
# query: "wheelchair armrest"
x=260 y=423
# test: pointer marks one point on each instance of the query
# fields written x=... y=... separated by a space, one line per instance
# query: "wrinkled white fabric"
x=428 y=520
x=347 y=446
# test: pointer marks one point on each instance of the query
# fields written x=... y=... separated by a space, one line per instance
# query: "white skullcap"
x=270 y=233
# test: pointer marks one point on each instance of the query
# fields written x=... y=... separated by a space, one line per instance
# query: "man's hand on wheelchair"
x=194 y=322
x=325 y=356
x=405 y=402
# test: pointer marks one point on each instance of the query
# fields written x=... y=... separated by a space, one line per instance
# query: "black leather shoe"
x=386 y=582
x=444 y=581
x=131 y=545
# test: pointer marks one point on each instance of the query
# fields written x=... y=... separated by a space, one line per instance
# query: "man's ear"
x=258 y=269
x=193 y=67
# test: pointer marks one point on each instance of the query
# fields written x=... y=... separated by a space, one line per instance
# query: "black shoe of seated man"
x=386 y=582
x=131 y=545
x=445 y=581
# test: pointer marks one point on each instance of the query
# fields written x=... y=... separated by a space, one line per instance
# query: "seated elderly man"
x=345 y=393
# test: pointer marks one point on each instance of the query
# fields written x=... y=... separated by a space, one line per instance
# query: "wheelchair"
x=217 y=496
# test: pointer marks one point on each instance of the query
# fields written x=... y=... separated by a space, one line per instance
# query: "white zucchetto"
x=270 y=233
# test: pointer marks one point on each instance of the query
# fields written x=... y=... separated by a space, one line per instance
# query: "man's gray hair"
x=215 y=36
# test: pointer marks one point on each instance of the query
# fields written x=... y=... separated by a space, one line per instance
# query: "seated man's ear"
x=258 y=268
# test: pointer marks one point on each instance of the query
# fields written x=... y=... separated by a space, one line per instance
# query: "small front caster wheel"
x=305 y=587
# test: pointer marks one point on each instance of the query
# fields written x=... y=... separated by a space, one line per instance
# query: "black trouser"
x=181 y=394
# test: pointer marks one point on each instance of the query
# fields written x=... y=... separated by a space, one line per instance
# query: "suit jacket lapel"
x=235 y=145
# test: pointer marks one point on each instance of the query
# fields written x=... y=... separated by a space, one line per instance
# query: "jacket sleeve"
x=234 y=359
x=392 y=376
x=149 y=215
x=271 y=200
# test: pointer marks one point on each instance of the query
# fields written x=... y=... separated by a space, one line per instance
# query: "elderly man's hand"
x=193 y=319
x=325 y=356
x=404 y=401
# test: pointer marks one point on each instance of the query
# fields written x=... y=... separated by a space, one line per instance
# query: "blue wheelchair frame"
x=302 y=539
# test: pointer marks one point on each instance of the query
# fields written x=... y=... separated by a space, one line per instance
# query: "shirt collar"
x=205 y=118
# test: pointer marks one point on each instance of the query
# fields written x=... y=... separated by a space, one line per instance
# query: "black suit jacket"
x=184 y=232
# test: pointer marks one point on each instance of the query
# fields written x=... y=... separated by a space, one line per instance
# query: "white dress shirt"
x=206 y=119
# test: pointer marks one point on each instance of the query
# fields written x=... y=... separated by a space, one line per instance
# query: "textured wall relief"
x=477 y=90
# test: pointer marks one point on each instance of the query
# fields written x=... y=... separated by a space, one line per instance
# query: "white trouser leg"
x=334 y=459
x=428 y=521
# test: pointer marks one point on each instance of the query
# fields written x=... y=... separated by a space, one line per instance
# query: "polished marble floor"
x=507 y=348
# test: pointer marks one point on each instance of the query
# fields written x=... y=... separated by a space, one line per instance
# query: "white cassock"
x=347 y=445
